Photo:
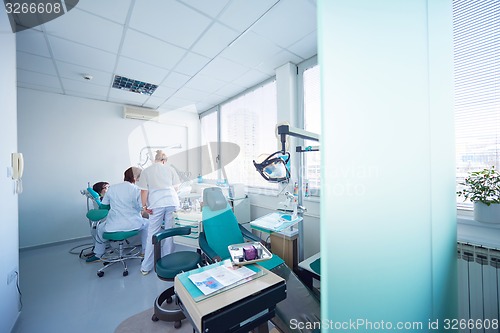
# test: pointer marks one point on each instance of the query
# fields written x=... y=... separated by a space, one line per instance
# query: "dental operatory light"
x=140 y=87
x=273 y=168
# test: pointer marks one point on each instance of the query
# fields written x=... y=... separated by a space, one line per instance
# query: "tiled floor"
x=61 y=293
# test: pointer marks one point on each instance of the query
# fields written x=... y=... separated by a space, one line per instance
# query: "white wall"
x=388 y=236
x=69 y=141
x=9 y=238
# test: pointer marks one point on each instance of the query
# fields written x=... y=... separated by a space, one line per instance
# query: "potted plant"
x=483 y=189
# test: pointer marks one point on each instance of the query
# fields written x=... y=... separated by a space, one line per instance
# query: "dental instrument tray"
x=248 y=253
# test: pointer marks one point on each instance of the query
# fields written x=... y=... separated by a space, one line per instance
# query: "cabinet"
x=285 y=246
x=192 y=220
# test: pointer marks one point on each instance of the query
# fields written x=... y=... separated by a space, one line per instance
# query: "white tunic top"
x=125 y=212
x=159 y=179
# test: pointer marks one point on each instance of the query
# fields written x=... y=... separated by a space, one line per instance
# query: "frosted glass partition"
x=388 y=231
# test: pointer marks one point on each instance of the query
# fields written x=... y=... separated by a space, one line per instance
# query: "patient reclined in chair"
x=221 y=229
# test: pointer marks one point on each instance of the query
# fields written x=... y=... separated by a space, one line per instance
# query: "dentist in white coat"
x=158 y=184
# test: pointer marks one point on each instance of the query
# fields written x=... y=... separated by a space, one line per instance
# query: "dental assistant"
x=158 y=184
x=125 y=212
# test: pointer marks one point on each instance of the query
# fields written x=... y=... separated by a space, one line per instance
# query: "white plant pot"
x=485 y=213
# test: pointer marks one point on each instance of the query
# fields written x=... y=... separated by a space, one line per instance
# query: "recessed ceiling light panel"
x=124 y=83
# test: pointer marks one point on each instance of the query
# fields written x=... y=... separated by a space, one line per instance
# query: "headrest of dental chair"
x=94 y=195
x=214 y=199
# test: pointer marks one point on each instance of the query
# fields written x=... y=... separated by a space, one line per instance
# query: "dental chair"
x=221 y=229
x=96 y=213
x=166 y=268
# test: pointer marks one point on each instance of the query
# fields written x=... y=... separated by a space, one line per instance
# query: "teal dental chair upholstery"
x=123 y=254
x=221 y=229
x=166 y=268
x=94 y=196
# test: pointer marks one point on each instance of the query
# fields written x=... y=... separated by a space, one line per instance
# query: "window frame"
x=301 y=68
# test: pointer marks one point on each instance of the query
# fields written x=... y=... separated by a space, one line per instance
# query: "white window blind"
x=249 y=121
x=209 y=127
x=312 y=123
x=476 y=38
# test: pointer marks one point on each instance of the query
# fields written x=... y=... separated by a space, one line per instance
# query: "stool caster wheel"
x=169 y=300
x=154 y=318
x=100 y=274
x=125 y=273
x=178 y=324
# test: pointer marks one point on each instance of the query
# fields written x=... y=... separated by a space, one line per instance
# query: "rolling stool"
x=120 y=237
x=167 y=268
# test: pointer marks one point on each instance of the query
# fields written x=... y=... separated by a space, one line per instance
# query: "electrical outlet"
x=11 y=277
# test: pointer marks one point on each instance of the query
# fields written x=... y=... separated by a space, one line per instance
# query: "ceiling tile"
x=230 y=90
x=251 y=78
x=270 y=64
x=114 y=10
x=214 y=99
x=179 y=102
x=306 y=47
x=241 y=14
x=163 y=92
x=120 y=96
x=38 y=79
x=55 y=90
x=191 y=63
x=85 y=87
x=198 y=51
x=191 y=94
x=288 y=22
x=32 y=41
x=202 y=106
x=151 y=50
x=140 y=71
x=224 y=69
x=154 y=102
x=75 y=72
x=170 y=21
x=175 y=80
x=215 y=39
x=85 y=94
x=205 y=83
x=35 y=63
x=211 y=8
x=81 y=55
x=83 y=28
x=250 y=50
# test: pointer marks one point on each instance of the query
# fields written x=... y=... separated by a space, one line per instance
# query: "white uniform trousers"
x=160 y=215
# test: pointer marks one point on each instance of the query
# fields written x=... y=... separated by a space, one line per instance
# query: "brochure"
x=219 y=277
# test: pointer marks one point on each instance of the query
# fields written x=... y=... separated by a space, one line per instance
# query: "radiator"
x=478 y=285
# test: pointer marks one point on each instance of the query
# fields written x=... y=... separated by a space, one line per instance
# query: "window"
x=312 y=123
x=209 y=126
x=249 y=121
x=477 y=86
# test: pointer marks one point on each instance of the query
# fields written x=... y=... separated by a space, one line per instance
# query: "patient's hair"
x=160 y=156
x=132 y=174
x=99 y=186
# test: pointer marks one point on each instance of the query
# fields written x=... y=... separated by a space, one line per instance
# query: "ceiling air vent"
x=124 y=83
x=139 y=113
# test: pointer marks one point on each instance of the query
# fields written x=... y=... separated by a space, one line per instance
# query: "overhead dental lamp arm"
x=284 y=130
